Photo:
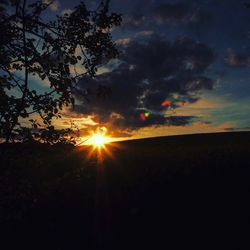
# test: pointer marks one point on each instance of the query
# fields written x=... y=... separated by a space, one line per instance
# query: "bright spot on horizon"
x=98 y=140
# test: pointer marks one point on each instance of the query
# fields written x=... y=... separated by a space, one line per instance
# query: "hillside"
x=165 y=191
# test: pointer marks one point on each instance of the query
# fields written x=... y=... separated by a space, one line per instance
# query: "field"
x=157 y=193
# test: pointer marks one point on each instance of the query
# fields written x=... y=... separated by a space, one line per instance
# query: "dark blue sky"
x=192 y=52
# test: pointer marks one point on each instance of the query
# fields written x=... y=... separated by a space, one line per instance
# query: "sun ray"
x=99 y=146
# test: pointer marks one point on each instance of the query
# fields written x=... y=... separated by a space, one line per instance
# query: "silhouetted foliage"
x=57 y=52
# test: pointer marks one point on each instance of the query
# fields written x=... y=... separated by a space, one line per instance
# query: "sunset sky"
x=183 y=68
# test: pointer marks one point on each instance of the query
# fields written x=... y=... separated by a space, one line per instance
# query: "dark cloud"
x=149 y=73
x=187 y=12
x=237 y=129
x=133 y=21
x=178 y=12
x=235 y=59
x=191 y=14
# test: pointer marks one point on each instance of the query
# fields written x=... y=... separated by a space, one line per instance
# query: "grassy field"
x=159 y=193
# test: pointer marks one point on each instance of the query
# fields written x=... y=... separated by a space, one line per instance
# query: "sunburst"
x=98 y=140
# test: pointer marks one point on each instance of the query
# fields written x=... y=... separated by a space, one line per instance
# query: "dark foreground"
x=189 y=191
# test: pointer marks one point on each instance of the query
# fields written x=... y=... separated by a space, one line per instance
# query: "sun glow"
x=99 y=146
x=98 y=140
x=100 y=149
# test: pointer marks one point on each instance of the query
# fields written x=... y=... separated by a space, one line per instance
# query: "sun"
x=98 y=140
x=100 y=146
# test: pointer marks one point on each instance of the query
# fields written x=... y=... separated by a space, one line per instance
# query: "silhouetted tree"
x=34 y=47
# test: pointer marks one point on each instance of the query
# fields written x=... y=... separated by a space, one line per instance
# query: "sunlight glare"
x=98 y=140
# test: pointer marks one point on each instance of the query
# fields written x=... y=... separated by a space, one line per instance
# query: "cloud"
x=133 y=21
x=178 y=12
x=191 y=14
x=237 y=59
x=231 y=129
x=53 y=4
x=66 y=12
x=203 y=107
x=187 y=12
x=145 y=33
x=123 y=41
x=148 y=74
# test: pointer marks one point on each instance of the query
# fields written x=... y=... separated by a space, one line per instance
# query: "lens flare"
x=165 y=103
x=142 y=117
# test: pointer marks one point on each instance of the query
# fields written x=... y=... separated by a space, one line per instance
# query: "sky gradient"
x=183 y=68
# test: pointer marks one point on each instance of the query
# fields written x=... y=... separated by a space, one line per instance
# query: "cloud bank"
x=152 y=78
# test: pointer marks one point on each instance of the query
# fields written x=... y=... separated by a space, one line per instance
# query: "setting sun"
x=98 y=140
